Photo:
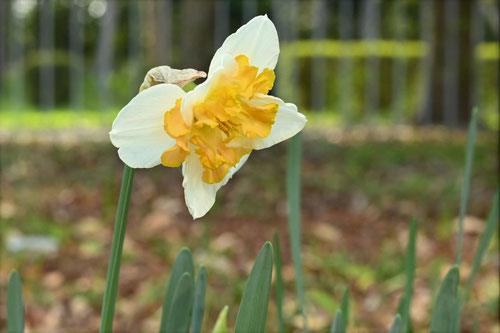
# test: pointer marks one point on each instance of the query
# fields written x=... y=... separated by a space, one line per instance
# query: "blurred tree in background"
x=92 y=54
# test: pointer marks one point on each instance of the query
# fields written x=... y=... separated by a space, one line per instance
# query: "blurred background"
x=388 y=87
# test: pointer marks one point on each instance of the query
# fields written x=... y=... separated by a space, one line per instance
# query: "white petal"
x=138 y=129
x=287 y=123
x=258 y=40
x=200 y=196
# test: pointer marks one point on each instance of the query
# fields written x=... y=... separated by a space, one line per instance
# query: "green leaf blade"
x=410 y=263
x=345 y=308
x=279 y=285
x=469 y=156
x=397 y=325
x=444 y=316
x=338 y=324
x=221 y=323
x=199 y=301
x=252 y=313
x=178 y=318
x=183 y=264
x=15 y=306
x=484 y=241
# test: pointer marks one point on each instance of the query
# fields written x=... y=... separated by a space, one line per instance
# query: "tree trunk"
x=105 y=52
x=197 y=45
x=47 y=77
x=448 y=97
x=370 y=31
x=164 y=32
x=4 y=5
x=77 y=56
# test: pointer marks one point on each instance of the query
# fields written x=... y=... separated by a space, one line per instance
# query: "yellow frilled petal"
x=213 y=176
x=174 y=123
x=213 y=151
x=249 y=82
x=174 y=156
x=257 y=121
x=177 y=128
x=264 y=82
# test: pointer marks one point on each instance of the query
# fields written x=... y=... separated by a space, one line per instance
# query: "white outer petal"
x=287 y=123
x=200 y=196
x=138 y=129
x=258 y=40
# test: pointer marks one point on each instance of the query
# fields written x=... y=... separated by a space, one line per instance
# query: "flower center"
x=225 y=113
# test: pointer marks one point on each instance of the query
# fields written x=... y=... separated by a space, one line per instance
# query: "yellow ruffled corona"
x=224 y=114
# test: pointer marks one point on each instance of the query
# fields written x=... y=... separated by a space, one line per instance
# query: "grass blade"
x=178 y=318
x=345 y=308
x=294 y=162
x=183 y=264
x=410 y=277
x=279 y=285
x=109 y=300
x=221 y=323
x=199 y=301
x=444 y=315
x=489 y=231
x=469 y=155
x=338 y=325
x=15 y=306
x=397 y=325
x=253 y=308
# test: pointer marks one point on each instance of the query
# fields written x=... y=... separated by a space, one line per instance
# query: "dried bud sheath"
x=166 y=74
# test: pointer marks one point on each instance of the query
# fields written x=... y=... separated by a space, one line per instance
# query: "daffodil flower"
x=212 y=129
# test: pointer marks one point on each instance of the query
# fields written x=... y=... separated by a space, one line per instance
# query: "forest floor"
x=360 y=188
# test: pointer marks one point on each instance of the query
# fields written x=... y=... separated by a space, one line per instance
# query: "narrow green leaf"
x=469 y=155
x=489 y=231
x=397 y=325
x=253 y=308
x=178 y=317
x=111 y=290
x=221 y=323
x=475 y=328
x=199 y=301
x=345 y=308
x=183 y=264
x=444 y=315
x=410 y=277
x=401 y=305
x=15 y=306
x=293 y=183
x=279 y=285
x=338 y=325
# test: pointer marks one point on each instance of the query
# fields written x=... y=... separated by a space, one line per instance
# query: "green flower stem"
x=108 y=303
